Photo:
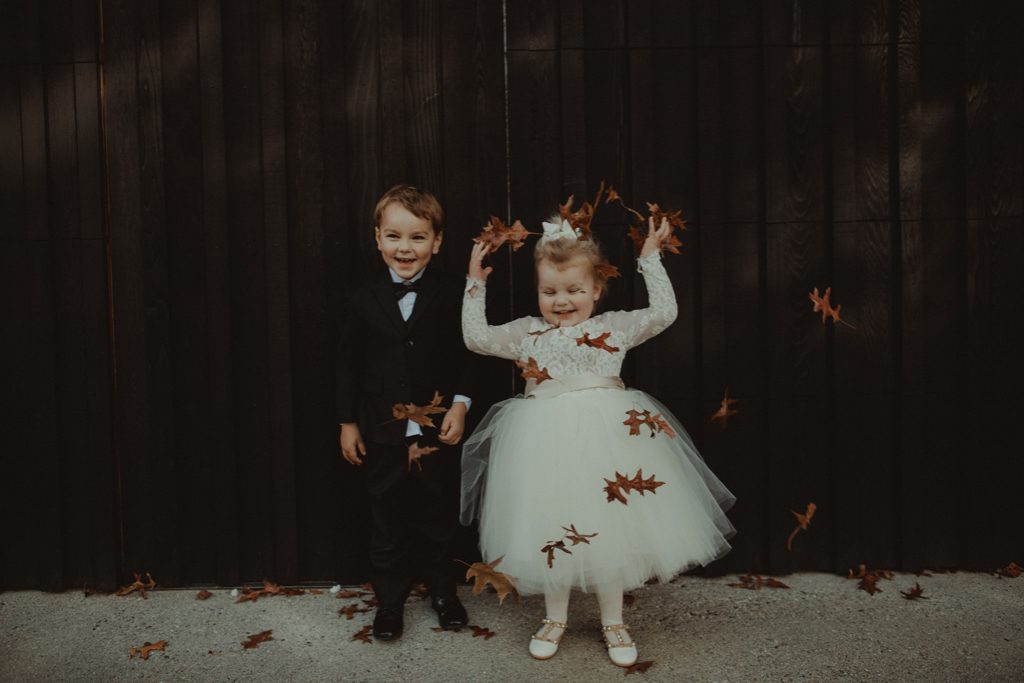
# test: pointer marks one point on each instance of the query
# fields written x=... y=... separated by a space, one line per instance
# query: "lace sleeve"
x=504 y=341
x=640 y=325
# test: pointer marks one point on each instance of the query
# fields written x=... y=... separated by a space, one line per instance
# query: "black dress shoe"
x=450 y=612
x=387 y=623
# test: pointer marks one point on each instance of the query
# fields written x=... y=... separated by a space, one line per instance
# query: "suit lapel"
x=429 y=286
x=386 y=297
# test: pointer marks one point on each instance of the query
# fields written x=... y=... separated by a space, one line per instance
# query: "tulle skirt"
x=536 y=469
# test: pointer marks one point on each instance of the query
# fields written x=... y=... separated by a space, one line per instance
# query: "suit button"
x=409 y=342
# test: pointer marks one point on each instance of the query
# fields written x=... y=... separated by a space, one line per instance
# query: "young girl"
x=569 y=485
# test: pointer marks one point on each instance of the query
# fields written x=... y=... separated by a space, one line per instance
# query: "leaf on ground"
x=345 y=594
x=485 y=633
x=1010 y=571
x=371 y=602
x=204 y=595
x=597 y=342
x=484 y=573
x=802 y=522
x=255 y=639
x=531 y=371
x=639 y=667
x=419 y=414
x=147 y=647
x=416 y=452
x=350 y=611
x=618 y=488
x=725 y=411
x=269 y=589
x=137 y=585
x=869 y=578
x=915 y=593
x=755 y=582
x=822 y=303
x=364 y=634
x=315 y=591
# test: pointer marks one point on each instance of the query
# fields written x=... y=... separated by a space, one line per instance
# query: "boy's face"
x=406 y=242
x=566 y=295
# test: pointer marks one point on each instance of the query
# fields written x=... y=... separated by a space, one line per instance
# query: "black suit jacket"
x=383 y=360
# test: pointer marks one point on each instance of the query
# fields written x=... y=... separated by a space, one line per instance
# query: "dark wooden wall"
x=187 y=191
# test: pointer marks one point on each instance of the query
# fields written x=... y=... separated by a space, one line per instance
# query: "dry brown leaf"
x=363 y=634
x=496 y=233
x=725 y=411
x=915 y=593
x=576 y=537
x=350 y=611
x=531 y=371
x=656 y=423
x=137 y=585
x=622 y=485
x=597 y=342
x=484 y=573
x=544 y=331
x=755 y=582
x=1010 y=571
x=607 y=270
x=485 y=633
x=416 y=452
x=254 y=640
x=351 y=594
x=802 y=522
x=269 y=589
x=147 y=647
x=419 y=414
x=869 y=578
x=822 y=303
x=204 y=595
x=550 y=549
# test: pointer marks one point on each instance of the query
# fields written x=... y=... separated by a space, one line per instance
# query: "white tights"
x=609 y=601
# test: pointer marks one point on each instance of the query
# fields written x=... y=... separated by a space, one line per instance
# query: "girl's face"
x=566 y=294
x=405 y=242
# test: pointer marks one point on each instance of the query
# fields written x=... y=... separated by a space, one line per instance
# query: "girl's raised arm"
x=504 y=341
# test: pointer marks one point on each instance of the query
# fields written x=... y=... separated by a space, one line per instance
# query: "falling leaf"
x=639 y=667
x=415 y=453
x=725 y=410
x=607 y=270
x=254 y=640
x=485 y=573
x=822 y=303
x=419 y=414
x=755 y=582
x=662 y=425
x=914 y=593
x=597 y=342
x=656 y=423
x=622 y=485
x=531 y=371
x=550 y=549
x=802 y=522
x=576 y=537
x=204 y=595
x=1010 y=571
x=496 y=233
x=485 y=633
x=137 y=585
x=350 y=611
x=363 y=634
x=146 y=648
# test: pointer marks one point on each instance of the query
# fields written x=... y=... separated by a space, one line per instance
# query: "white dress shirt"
x=405 y=306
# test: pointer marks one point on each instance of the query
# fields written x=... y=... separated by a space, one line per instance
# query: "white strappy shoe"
x=621 y=650
x=542 y=645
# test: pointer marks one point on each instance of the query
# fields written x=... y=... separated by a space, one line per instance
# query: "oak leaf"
x=576 y=537
x=137 y=585
x=607 y=270
x=622 y=485
x=802 y=522
x=822 y=303
x=350 y=611
x=755 y=582
x=484 y=573
x=915 y=593
x=204 y=595
x=419 y=414
x=416 y=452
x=1010 y=571
x=662 y=425
x=597 y=342
x=496 y=233
x=147 y=647
x=269 y=589
x=532 y=371
x=255 y=639
x=480 y=631
x=550 y=549
x=869 y=578
x=351 y=594
x=725 y=410
x=363 y=634
x=656 y=423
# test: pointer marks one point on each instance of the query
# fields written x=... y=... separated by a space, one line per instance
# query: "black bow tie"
x=403 y=288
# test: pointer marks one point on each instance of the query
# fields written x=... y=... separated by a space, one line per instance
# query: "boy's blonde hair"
x=565 y=249
x=419 y=203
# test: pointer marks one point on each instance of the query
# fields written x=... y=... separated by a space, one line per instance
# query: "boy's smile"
x=406 y=243
x=566 y=295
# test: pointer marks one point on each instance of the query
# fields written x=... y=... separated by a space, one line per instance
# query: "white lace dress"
x=552 y=466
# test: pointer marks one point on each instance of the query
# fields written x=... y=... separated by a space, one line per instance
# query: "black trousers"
x=415 y=516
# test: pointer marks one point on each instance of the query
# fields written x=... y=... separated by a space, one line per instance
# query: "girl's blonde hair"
x=565 y=249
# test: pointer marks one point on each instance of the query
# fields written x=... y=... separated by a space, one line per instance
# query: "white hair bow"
x=554 y=231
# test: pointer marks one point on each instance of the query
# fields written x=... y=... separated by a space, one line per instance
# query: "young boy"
x=400 y=342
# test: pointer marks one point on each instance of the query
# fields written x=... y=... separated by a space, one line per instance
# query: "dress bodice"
x=596 y=346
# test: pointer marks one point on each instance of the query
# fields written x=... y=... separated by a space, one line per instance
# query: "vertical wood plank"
x=19 y=33
x=422 y=95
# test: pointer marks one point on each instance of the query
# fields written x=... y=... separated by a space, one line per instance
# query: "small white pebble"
x=335 y=588
x=234 y=592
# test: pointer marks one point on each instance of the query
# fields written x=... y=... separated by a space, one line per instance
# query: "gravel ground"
x=696 y=629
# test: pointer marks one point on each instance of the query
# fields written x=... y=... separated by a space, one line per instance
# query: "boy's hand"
x=476 y=262
x=453 y=424
x=655 y=237
x=352 y=443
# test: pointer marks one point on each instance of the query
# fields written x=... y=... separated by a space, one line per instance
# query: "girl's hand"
x=476 y=262
x=655 y=237
x=453 y=425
